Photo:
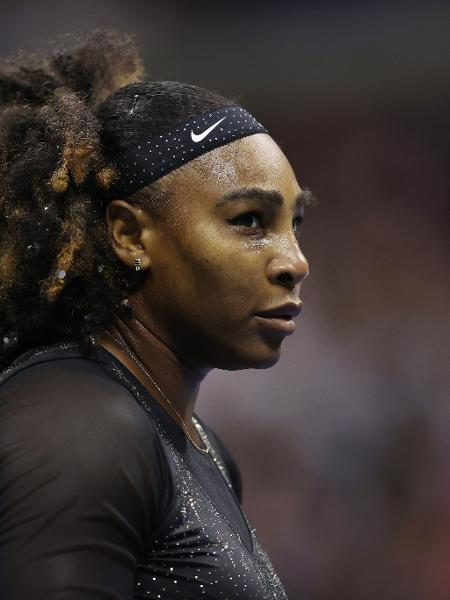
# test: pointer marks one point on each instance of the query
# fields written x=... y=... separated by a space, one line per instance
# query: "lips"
x=279 y=320
x=287 y=311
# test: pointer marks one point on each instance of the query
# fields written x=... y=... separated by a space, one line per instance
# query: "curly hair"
x=64 y=113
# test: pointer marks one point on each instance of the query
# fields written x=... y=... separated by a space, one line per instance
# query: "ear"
x=130 y=230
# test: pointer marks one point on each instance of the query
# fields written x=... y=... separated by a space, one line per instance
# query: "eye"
x=297 y=222
x=252 y=219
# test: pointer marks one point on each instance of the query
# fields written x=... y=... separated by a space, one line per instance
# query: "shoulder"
x=70 y=389
x=67 y=423
x=71 y=410
x=227 y=457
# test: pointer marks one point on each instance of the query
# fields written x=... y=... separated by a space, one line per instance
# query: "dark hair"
x=63 y=115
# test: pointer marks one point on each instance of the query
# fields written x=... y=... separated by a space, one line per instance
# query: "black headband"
x=157 y=156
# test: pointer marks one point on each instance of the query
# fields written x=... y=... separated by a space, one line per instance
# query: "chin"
x=266 y=362
x=261 y=358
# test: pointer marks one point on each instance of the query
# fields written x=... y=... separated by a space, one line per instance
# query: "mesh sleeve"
x=82 y=482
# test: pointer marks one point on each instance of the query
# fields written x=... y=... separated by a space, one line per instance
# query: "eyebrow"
x=269 y=197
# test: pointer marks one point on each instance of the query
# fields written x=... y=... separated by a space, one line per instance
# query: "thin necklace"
x=145 y=371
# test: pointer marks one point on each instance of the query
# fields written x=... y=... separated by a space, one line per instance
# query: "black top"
x=103 y=496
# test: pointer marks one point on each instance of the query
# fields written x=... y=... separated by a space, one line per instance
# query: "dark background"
x=343 y=445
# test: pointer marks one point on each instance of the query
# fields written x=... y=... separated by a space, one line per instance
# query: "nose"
x=289 y=266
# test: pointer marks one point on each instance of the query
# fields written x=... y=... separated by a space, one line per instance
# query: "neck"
x=176 y=381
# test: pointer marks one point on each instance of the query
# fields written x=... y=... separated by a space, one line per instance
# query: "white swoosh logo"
x=201 y=136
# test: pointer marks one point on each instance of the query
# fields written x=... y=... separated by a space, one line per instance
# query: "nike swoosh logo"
x=199 y=137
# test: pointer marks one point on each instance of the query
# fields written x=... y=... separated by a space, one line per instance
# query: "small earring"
x=137 y=263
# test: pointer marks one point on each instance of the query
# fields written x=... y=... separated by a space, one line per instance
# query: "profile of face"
x=224 y=253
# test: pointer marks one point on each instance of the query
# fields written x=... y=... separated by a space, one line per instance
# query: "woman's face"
x=225 y=251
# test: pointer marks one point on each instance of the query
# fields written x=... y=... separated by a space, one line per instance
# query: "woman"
x=149 y=235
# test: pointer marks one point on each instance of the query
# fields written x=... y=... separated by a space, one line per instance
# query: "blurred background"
x=343 y=446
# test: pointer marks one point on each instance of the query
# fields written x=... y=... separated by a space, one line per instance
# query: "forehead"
x=252 y=161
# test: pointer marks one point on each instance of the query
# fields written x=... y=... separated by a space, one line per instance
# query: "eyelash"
x=260 y=218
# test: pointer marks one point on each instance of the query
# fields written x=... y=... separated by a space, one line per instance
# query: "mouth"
x=283 y=324
x=285 y=311
x=280 y=318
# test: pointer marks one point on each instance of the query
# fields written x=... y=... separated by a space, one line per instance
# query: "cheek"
x=208 y=271
x=216 y=280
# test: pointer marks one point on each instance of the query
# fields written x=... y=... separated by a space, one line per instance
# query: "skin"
x=209 y=269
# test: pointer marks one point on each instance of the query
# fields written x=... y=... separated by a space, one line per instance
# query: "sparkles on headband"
x=157 y=156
